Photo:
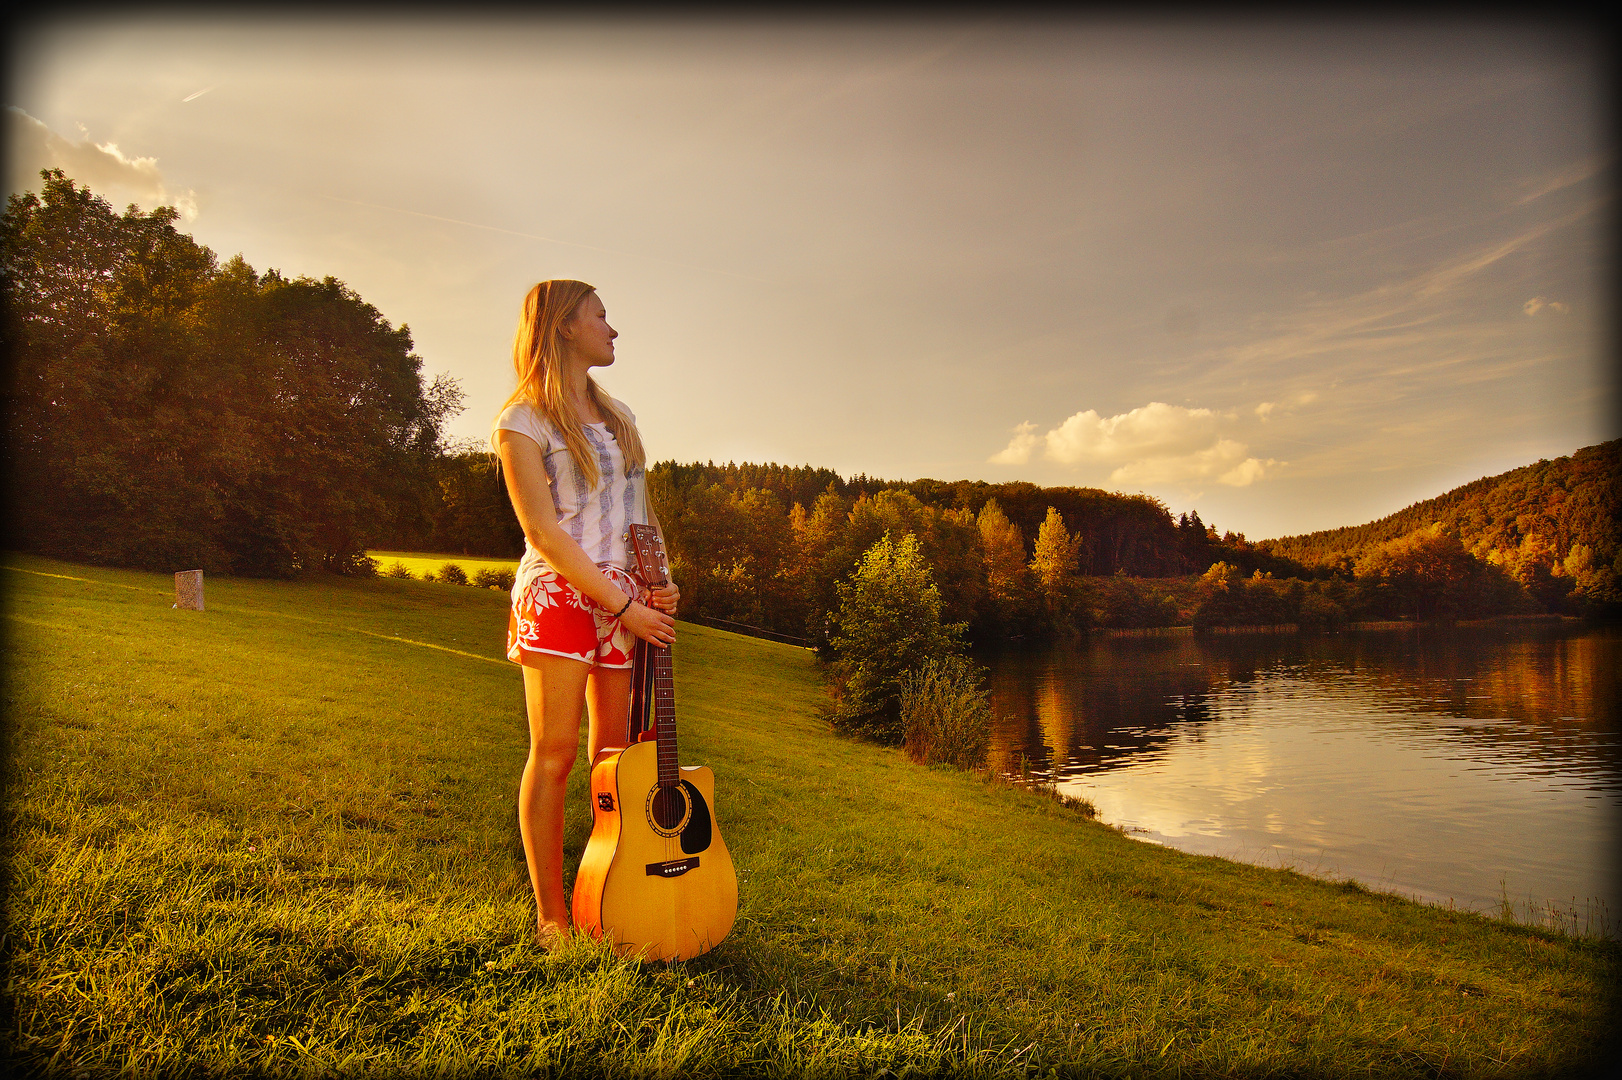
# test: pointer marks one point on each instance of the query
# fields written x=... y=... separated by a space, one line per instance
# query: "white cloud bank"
x=1153 y=444
x=102 y=167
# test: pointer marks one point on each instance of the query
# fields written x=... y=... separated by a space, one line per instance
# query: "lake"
x=1462 y=765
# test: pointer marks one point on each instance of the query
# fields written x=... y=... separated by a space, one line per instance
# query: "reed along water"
x=1462 y=765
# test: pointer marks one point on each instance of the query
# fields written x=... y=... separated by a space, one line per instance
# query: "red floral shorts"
x=552 y=618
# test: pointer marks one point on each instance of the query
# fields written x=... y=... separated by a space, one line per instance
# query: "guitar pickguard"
x=695 y=837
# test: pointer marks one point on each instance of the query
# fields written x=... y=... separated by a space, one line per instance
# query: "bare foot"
x=551 y=935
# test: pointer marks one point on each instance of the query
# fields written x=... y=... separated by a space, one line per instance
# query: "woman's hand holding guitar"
x=649 y=623
x=665 y=598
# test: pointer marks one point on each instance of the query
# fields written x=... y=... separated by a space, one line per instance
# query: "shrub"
x=350 y=564
x=1320 y=614
x=494 y=577
x=451 y=574
x=398 y=569
x=1228 y=598
x=889 y=623
x=945 y=713
x=1132 y=603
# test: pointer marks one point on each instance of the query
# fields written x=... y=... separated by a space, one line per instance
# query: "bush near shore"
x=277 y=837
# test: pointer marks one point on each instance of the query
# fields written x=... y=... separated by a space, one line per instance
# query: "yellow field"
x=422 y=562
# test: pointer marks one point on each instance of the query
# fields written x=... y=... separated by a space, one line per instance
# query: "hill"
x=1554 y=505
x=277 y=837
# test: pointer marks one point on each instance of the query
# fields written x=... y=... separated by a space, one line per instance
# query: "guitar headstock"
x=650 y=555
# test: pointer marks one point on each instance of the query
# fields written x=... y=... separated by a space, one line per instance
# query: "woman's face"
x=590 y=337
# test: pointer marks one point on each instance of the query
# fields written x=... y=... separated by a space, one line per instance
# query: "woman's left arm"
x=664 y=598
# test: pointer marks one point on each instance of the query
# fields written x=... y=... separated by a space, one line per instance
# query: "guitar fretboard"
x=664 y=714
x=650 y=556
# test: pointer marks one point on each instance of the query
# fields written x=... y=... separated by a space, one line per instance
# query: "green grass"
x=278 y=836
x=420 y=563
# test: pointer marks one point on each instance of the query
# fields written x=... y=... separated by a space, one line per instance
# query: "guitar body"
x=656 y=877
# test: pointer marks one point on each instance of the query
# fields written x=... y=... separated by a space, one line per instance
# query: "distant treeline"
x=166 y=412
x=769 y=545
x=750 y=545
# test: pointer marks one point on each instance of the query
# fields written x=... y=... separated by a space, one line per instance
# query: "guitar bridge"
x=673 y=868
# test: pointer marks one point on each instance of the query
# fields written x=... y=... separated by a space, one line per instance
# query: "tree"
x=164 y=411
x=1055 y=567
x=889 y=623
x=1431 y=576
x=822 y=558
x=1010 y=594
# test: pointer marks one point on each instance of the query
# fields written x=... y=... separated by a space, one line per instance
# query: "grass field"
x=278 y=836
x=420 y=563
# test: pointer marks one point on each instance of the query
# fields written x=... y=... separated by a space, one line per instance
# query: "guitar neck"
x=664 y=713
x=650 y=557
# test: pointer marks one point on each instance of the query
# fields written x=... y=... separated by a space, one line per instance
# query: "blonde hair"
x=537 y=357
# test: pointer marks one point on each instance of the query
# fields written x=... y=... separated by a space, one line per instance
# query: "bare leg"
x=554 y=692
x=608 y=697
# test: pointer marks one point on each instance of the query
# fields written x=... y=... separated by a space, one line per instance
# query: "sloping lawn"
x=278 y=835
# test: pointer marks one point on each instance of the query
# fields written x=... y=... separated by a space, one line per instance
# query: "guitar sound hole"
x=669 y=807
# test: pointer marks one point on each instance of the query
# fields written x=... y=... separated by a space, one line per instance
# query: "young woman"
x=575 y=469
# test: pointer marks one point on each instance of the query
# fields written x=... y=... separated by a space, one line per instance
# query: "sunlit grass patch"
x=419 y=564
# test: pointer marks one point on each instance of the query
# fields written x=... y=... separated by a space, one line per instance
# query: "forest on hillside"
x=1544 y=521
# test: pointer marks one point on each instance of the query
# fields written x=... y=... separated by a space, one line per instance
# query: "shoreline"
x=1368 y=625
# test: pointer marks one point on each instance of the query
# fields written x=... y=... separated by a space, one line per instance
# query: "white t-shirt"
x=597 y=518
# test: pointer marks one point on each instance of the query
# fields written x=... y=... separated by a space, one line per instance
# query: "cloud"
x=1152 y=430
x=1264 y=409
x=1574 y=173
x=102 y=167
x=1155 y=443
x=1538 y=303
x=1404 y=327
x=1018 y=450
x=1225 y=461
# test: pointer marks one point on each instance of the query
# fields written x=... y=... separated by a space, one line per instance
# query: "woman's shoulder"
x=622 y=407
x=524 y=418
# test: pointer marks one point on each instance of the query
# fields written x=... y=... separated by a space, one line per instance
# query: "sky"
x=1291 y=275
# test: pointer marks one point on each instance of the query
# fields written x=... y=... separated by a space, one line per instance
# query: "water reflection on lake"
x=1444 y=764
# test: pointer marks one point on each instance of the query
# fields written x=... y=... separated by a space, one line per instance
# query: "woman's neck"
x=577 y=388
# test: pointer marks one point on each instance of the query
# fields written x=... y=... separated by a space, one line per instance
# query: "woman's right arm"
x=525 y=470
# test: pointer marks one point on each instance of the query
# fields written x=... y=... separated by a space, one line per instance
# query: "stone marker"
x=189 y=590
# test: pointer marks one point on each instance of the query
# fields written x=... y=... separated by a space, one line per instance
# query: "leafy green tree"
x=473 y=513
x=950 y=542
x=163 y=411
x=889 y=623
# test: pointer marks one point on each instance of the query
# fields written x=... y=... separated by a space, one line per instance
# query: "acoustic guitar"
x=656 y=877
